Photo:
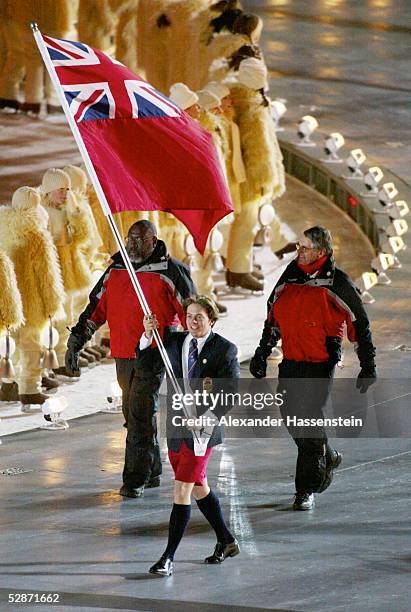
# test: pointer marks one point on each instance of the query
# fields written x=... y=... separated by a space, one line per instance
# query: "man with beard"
x=165 y=282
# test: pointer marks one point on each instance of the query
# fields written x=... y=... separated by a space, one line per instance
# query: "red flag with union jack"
x=147 y=153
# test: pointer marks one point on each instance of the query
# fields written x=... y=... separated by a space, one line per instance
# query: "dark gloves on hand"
x=258 y=364
x=366 y=378
x=72 y=356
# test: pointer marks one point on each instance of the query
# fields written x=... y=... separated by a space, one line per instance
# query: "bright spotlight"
x=387 y=193
x=53 y=408
x=332 y=145
x=354 y=162
x=398 y=210
x=366 y=281
x=371 y=181
x=266 y=216
x=397 y=227
x=214 y=260
x=278 y=109
x=191 y=253
x=306 y=126
x=380 y=264
x=114 y=398
x=393 y=245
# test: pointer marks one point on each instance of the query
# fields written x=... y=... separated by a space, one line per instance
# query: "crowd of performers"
x=55 y=240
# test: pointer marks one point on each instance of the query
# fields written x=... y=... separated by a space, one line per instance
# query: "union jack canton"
x=92 y=97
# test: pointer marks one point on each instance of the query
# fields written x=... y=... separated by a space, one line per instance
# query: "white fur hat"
x=78 y=178
x=252 y=73
x=25 y=197
x=208 y=100
x=53 y=179
x=218 y=89
x=182 y=95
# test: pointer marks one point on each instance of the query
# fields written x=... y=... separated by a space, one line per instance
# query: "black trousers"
x=307 y=387
x=140 y=383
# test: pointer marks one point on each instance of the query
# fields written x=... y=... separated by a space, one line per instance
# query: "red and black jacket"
x=166 y=283
x=308 y=313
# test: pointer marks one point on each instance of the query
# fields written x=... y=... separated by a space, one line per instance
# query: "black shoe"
x=163 y=567
x=333 y=459
x=222 y=310
x=153 y=483
x=133 y=492
x=49 y=383
x=304 y=501
x=9 y=392
x=222 y=551
x=6 y=103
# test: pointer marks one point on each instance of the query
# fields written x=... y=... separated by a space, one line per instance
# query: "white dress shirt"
x=145 y=342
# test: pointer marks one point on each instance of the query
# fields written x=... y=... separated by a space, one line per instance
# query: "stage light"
x=114 y=398
x=53 y=408
x=398 y=210
x=397 y=227
x=7 y=349
x=371 y=181
x=306 y=126
x=387 y=193
x=214 y=261
x=380 y=264
x=191 y=253
x=366 y=281
x=332 y=145
x=49 y=338
x=266 y=216
x=393 y=245
x=278 y=109
x=354 y=162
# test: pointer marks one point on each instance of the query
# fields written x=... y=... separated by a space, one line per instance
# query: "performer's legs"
x=29 y=367
x=241 y=240
x=209 y=504
x=142 y=457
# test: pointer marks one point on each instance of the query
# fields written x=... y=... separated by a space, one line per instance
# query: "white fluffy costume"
x=25 y=238
x=54 y=17
x=264 y=172
x=70 y=229
x=11 y=307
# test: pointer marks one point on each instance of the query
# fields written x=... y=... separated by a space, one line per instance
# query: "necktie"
x=192 y=356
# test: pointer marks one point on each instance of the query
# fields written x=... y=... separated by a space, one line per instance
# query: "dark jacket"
x=165 y=282
x=309 y=312
x=218 y=361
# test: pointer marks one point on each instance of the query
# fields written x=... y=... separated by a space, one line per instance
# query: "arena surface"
x=65 y=530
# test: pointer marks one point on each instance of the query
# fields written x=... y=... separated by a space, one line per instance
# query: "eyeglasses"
x=138 y=239
x=304 y=249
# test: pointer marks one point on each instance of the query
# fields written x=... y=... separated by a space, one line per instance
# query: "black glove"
x=72 y=356
x=75 y=343
x=366 y=378
x=258 y=364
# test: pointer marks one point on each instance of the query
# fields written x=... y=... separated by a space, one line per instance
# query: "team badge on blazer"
x=207 y=384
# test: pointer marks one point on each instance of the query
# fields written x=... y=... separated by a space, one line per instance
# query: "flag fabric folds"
x=147 y=153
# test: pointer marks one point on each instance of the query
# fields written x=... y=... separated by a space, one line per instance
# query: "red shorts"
x=187 y=467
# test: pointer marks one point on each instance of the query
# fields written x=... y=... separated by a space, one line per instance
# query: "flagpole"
x=104 y=205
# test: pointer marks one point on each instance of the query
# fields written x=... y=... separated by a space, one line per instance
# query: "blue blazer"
x=218 y=360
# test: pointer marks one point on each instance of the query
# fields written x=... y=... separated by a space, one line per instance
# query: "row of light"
x=396 y=210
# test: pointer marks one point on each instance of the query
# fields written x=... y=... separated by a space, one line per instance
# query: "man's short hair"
x=321 y=238
x=146 y=224
x=205 y=302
